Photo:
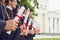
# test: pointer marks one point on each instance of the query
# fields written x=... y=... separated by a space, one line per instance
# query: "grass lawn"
x=47 y=39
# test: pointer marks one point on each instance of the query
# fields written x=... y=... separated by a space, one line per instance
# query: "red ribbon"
x=19 y=16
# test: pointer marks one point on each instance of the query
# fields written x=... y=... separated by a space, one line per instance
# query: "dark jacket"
x=4 y=35
x=29 y=36
x=2 y=21
x=2 y=18
x=20 y=37
x=2 y=25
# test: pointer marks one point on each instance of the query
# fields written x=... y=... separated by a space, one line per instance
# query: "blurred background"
x=46 y=16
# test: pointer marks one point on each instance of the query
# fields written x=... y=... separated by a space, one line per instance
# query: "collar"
x=9 y=7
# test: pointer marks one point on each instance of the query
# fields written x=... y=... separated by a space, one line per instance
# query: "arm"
x=2 y=22
x=2 y=25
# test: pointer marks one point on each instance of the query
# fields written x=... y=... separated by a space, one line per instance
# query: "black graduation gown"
x=16 y=33
x=29 y=36
x=4 y=35
x=14 y=11
x=20 y=37
x=2 y=21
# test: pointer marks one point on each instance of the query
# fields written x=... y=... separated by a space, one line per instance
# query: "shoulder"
x=1 y=5
x=8 y=10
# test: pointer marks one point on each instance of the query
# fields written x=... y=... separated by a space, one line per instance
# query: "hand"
x=37 y=30
x=31 y=32
x=11 y=25
x=24 y=33
x=23 y=27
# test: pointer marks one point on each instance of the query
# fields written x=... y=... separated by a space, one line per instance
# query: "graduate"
x=15 y=35
x=5 y=22
x=31 y=33
x=31 y=30
x=11 y=4
x=15 y=10
x=21 y=23
x=17 y=32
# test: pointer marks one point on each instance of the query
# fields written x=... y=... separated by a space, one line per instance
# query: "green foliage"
x=36 y=3
x=35 y=14
x=23 y=2
x=28 y=3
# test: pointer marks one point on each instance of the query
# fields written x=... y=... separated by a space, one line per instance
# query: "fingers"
x=11 y=25
x=24 y=33
x=16 y=21
x=31 y=32
x=13 y=28
x=37 y=31
x=14 y=25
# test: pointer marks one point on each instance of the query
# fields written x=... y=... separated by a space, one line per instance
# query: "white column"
x=41 y=24
x=51 y=25
x=46 y=23
x=55 y=25
x=58 y=25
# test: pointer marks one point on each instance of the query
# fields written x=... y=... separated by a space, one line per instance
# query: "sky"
x=53 y=5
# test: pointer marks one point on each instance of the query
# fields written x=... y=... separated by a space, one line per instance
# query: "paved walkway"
x=48 y=36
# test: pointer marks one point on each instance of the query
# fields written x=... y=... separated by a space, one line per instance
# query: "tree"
x=28 y=3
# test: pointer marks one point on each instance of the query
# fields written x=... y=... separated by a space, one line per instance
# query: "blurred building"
x=48 y=20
